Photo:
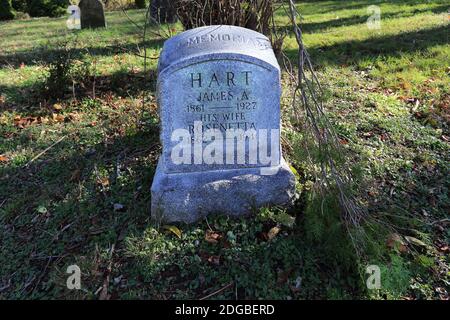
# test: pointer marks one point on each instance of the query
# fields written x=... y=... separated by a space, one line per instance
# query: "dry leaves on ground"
x=212 y=236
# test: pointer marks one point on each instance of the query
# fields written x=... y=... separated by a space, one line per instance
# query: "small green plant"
x=65 y=72
x=395 y=278
x=278 y=216
x=58 y=76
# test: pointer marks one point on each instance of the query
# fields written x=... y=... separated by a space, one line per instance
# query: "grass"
x=386 y=92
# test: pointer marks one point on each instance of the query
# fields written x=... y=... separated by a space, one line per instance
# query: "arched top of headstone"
x=73 y=9
x=216 y=40
x=90 y=4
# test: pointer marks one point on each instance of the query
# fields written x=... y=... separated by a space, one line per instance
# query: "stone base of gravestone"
x=191 y=196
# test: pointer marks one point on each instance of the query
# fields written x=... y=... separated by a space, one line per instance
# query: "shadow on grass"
x=59 y=211
x=353 y=51
x=312 y=27
x=78 y=186
x=45 y=55
x=327 y=6
x=70 y=183
x=32 y=99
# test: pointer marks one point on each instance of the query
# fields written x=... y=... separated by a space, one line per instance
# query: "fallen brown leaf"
x=273 y=233
x=103 y=181
x=444 y=249
x=212 y=236
x=58 y=117
x=4 y=158
x=395 y=241
x=284 y=276
x=74 y=116
x=25 y=121
x=57 y=106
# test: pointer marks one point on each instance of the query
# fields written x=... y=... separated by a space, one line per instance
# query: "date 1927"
x=248 y=105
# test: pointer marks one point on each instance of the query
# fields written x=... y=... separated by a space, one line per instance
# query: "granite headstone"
x=92 y=14
x=219 y=102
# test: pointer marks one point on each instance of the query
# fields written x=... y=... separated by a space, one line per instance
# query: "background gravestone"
x=162 y=11
x=73 y=22
x=228 y=78
x=92 y=14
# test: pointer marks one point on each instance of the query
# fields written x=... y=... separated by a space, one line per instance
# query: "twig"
x=48 y=257
x=144 y=34
x=6 y=286
x=206 y=219
x=41 y=276
x=439 y=221
x=43 y=152
x=307 y=96
x=28 y=283
x=218 y=291
x=104 y=291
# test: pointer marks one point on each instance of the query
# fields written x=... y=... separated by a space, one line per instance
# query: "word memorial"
x=219 y=104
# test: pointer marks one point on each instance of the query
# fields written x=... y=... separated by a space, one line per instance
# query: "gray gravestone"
x=92 y=14
x=219 y=101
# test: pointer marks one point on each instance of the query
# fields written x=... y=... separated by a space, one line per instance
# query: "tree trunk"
x=162 y=11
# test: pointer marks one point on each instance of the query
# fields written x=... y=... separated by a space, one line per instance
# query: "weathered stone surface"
x=220 y=81
x=92 y=14
x=190 y=196
x=231 y=74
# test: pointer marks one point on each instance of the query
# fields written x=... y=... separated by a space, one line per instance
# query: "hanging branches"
x=334 y=169
x=328 y=156
x=257 y=15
